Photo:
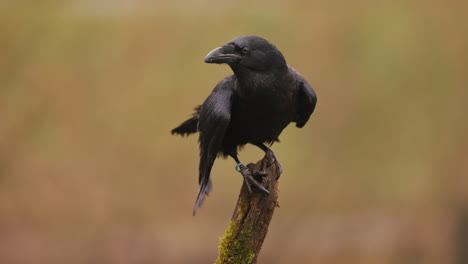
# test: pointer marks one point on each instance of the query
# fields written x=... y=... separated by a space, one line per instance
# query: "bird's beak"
x=222 y=55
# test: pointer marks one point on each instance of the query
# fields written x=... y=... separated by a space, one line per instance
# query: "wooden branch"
x=244 y=237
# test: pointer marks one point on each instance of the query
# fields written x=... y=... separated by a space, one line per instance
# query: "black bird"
x=253 y=105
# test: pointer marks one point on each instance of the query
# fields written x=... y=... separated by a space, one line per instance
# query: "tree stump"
x=248 y=227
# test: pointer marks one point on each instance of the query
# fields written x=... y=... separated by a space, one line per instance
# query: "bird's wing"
x=214 y=118
x=307 y=99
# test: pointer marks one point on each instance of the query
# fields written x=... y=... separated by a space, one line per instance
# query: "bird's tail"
x=205 y=189
x=188 y=127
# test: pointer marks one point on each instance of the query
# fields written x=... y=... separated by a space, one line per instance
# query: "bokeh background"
x=89 y=91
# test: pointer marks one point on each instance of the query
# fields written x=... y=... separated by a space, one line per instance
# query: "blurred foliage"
x=89 y=91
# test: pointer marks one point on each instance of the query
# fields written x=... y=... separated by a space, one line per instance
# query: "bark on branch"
x=244 y=237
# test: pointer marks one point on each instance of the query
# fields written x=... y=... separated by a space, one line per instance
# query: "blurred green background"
x=89 y=91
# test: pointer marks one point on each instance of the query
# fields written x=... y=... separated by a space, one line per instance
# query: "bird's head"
x=248 y=52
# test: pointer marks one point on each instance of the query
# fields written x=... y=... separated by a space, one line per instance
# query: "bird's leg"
x=270 y=158
x=248 y=178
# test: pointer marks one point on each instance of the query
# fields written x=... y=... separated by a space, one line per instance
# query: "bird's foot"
x=249 y=179
x=271 y=159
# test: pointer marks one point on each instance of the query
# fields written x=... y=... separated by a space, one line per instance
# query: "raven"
x=253 y=105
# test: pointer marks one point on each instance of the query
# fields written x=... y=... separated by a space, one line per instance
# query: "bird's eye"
x=245 y=50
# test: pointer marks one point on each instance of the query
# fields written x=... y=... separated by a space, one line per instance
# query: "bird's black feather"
x=189 y=126
x=215 y=115
x=307 y=99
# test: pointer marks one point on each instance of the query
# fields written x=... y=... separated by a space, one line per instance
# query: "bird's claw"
x=259 y=173
x=250 y=180
x=271 y=159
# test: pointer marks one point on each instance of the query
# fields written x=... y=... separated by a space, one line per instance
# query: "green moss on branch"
x=233 y=248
